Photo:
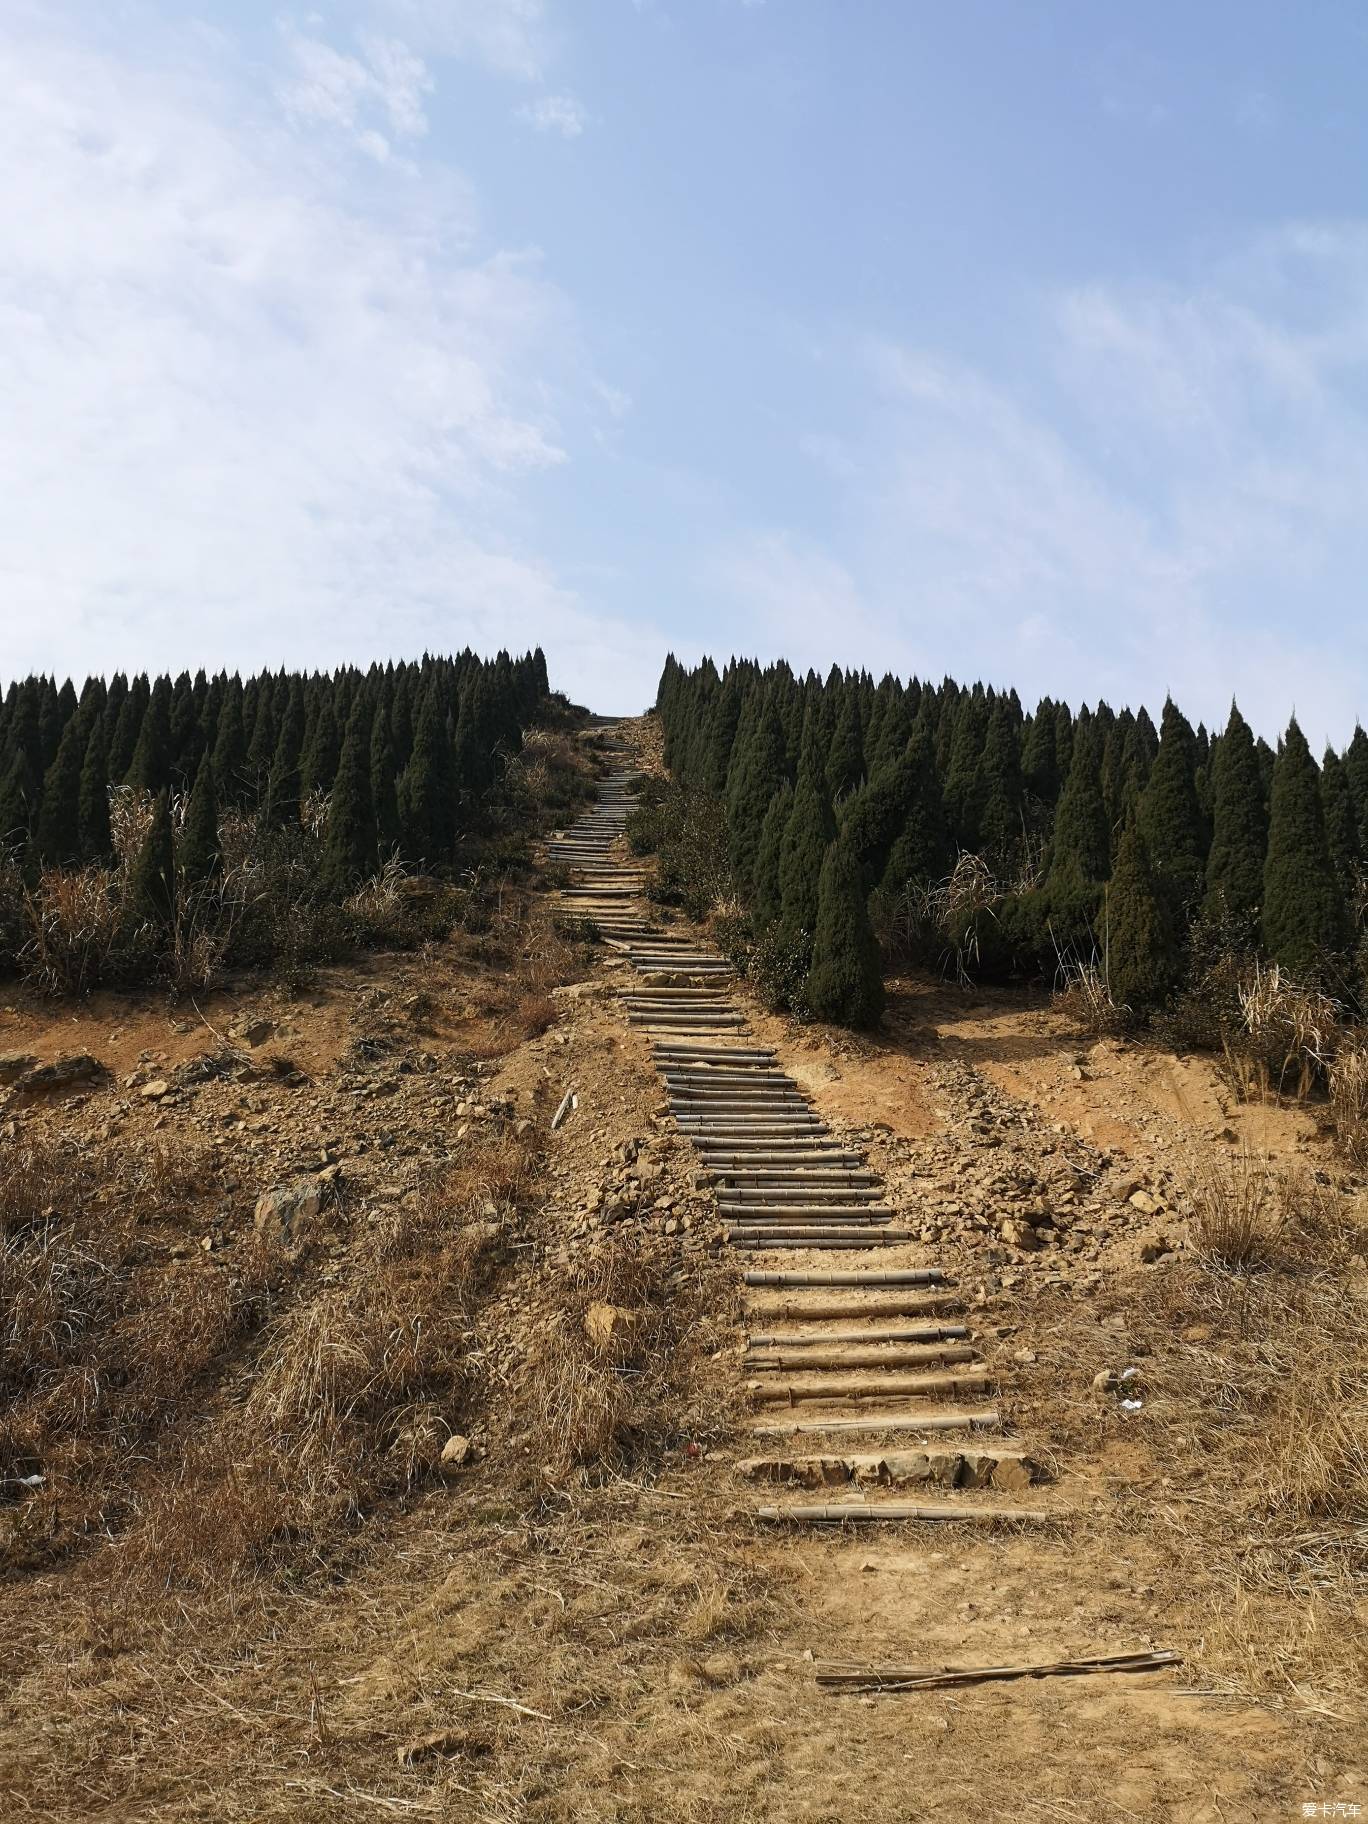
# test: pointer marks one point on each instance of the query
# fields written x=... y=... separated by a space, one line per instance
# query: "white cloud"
x=326 y=87
x=554 y=114
x=512 y=37
x=1169 y=494
x=257 y=406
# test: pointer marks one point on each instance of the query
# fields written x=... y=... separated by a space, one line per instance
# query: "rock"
x=15 y=1064
x=80 y=1067
x=155 y=1090
x=287 y=1212
x=1142 y=1201
x=251 y=1032
x=457 y=1452
x=611 y=1329
x=1020 y=1235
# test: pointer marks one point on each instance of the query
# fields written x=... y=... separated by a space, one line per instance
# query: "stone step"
x=994 y=1465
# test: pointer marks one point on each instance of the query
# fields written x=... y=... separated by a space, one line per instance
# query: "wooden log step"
x=853 y=1355
x=949 y=1466
x=781 y=1177
x=790 y=1184
x=869 y=1513
x=721 y=1076
x=902 y=1276
x=667 y=1052
x=904 y=1333
x=931 y=1421
x=873 y=1305
x=797 y=1209
x=744 y=1154
x=848 y=1240
x=759 y=1126
x=869 y=1386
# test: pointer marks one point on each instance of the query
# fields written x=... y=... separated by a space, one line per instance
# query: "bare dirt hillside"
x=432 y=1511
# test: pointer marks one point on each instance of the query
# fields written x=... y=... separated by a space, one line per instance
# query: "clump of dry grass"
x=1084 y=996
x=604 y=1380
x=1348 y=1088
x=1286 y=1037
x=1238 y=1211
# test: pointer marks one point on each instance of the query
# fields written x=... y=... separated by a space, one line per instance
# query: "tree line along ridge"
x=858 y=821
x=147 y=815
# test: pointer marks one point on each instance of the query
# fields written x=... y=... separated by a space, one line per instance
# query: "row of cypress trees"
x=1102 y=833
x=402 y=759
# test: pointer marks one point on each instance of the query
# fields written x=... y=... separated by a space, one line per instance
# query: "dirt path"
x=917 y=1524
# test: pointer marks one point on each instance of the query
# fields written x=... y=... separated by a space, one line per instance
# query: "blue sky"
x=1023 y=343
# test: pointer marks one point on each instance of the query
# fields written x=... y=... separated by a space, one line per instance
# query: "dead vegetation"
x=1248 y=1370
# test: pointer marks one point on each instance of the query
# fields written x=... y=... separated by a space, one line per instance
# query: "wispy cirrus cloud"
x=384 y=83
x=257 y=406
x=1166 y=491
x=560 y=114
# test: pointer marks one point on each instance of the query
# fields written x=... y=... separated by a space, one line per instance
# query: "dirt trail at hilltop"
x=530 y=1640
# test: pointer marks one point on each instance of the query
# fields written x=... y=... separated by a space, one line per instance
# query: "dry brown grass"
x=1287 y=1036
x=1239 y=1209
x=611 y=1363
x=1252 y=1368
x=1348 y=1088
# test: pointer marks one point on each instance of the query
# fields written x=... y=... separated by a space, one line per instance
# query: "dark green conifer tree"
x=807 y=834
x=1039 y=755
x=1356 y=771
x=427 y=789
x=152 y=882
x=1337 y=804
x=1239 y=831
x=757 y=773
x=150 y=768
x=15 y=809
x=1141 y=944
x=1000 y=819
x=845 y=764
x=58 y=832
x=283 y=787
x=1170 y=818
x=384 y=778
x=923 y=849
x=766 y=898
x=1304 y=921
x=318 y=767
x=964 y=777
x=1080 y=846
x=230 y=750
x=845 y=982
x=349 y=846
x=97 y=842
x=199 y=854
